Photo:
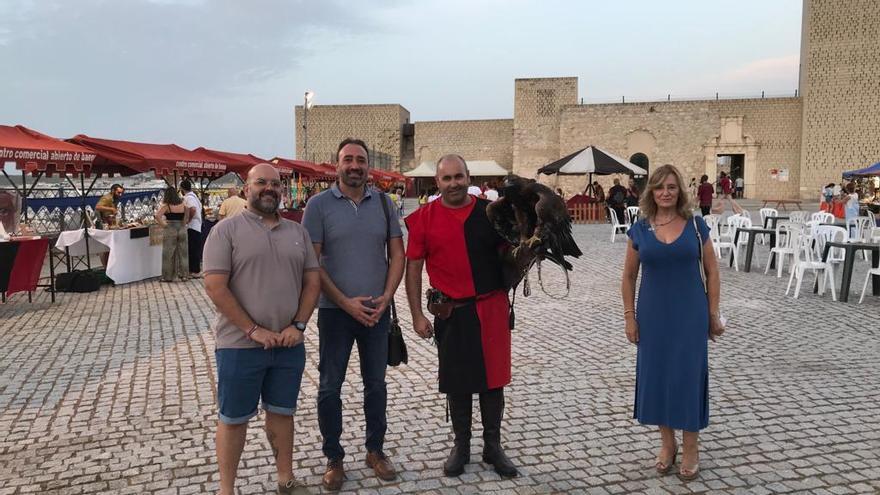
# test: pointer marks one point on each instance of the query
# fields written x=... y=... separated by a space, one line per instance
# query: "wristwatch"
x=300 y=325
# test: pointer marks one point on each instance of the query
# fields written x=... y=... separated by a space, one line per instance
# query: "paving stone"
x=114 y=392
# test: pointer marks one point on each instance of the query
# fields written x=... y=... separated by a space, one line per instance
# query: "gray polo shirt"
x=352 y=238
x=265 y=268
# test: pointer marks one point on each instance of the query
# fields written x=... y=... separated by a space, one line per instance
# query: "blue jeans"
x=337 y=332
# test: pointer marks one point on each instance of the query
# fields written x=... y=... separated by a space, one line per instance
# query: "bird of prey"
x=530 y=214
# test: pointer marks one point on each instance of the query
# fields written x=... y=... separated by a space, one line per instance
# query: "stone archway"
x=731 y=141
x=641 y=160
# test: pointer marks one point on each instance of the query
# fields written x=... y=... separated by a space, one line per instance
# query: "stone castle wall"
x=689 y=135
x=380 y=126
x=840 y=62
x=472 y=139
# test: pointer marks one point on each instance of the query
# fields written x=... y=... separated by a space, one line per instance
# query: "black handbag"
x=396 y=345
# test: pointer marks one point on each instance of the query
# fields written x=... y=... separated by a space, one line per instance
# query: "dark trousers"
x=705 y=209
x=194 y=245
x=337 y=333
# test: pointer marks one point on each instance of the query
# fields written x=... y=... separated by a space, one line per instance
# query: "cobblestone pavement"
x=113 y=392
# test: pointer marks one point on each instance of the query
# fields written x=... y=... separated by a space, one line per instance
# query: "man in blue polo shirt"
x=347 y=226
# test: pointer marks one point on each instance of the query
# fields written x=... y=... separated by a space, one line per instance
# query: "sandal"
x=664 y=468
x=689 y=474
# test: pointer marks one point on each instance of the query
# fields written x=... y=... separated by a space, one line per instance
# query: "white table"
x=130 y=259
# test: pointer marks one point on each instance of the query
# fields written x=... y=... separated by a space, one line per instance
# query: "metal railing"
x=669 y=97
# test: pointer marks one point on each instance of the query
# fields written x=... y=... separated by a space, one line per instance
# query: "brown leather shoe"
x=334 y=475
x=381 y=464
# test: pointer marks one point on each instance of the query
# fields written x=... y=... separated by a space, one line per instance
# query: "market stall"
x=132 y=256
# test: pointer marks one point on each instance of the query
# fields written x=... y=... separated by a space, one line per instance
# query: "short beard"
x=257 y=204
x=353 y=181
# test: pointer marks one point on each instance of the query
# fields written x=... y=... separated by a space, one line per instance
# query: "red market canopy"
x=239 y=163
x=33 y=151
x=304 y=168
x=164 y=159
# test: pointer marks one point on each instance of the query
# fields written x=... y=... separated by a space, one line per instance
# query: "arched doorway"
x=641 y=160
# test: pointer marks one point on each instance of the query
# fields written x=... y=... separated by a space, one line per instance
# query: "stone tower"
x=840 y=87
x=536 y=116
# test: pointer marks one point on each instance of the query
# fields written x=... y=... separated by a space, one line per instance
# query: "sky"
x=226 y=74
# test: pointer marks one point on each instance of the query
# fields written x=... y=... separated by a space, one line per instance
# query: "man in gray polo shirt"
x=347 y=225
x=262 y=274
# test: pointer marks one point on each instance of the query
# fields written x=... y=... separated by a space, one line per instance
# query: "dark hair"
x=359 y=142
x=171 y=197
x=704 y=178
x=186 y=185
x=114 y=187
x=850 y=188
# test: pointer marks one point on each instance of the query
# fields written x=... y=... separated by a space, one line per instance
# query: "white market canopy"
x=477 y=168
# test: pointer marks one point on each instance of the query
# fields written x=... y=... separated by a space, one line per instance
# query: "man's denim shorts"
x=246 y=375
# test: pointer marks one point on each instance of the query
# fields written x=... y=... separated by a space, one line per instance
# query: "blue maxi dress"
x=672 y=365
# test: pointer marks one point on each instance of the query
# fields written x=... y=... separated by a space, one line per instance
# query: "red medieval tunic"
x=461 y=252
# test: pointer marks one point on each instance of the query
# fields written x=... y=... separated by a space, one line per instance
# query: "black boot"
x=492 y=410
x=460 y=409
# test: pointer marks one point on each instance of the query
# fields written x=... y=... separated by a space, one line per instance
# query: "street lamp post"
x=307 y=103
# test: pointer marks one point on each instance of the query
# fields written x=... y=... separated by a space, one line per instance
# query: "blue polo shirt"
x=352 y=238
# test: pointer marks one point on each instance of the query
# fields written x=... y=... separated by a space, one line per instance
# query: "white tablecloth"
x=130 y=259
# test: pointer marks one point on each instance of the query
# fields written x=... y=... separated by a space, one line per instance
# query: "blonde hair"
x=648 y=206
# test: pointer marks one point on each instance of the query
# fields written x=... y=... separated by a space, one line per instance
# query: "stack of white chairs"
x=765 y=213
x=806 y=260
x=616 y=226
x=787 y=242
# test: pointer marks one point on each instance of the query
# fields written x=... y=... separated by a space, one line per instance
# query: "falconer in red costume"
x=463 y=254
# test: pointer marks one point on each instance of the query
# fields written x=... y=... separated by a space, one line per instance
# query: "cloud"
x=103 y=64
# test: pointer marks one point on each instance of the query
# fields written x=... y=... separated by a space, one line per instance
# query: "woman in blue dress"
x=676 y=315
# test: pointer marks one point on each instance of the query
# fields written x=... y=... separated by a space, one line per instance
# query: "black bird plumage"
x=532 y=214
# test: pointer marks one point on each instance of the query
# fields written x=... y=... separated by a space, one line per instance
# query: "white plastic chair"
x=616 y=226
x=787 y=241
x=874 y=234
x=859 y=230
x=872 y=271
x=830 y=233
x=809 y=263
x=631 y=214
x=718 y=244
x=743 y=240
x=712 y=221
x=822 y=217
x=728 y=228
x=797 y=217
x=765 y=213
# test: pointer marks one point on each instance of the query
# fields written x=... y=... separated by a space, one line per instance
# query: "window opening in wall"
x=546 y=105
